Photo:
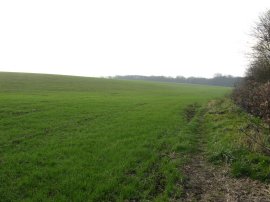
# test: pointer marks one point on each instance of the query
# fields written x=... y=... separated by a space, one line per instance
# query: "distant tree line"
x=253 y=93
x=217 y=80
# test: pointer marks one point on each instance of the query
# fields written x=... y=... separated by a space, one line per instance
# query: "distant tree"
x=217 y=75
x=219 y=81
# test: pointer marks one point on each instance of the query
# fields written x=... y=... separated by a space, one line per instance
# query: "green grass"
x=66 y=138
x=228 y=144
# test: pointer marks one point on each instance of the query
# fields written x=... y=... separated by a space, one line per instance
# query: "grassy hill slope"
x=69 y=138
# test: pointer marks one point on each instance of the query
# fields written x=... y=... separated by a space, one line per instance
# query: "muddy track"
x=206 y=182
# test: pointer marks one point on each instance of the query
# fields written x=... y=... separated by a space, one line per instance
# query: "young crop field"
x=66 y=138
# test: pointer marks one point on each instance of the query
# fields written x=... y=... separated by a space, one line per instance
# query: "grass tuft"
x=228 y=144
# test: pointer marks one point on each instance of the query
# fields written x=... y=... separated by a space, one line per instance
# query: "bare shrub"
x=253 y=93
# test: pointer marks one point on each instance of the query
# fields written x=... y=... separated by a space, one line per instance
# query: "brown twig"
x=266 y=149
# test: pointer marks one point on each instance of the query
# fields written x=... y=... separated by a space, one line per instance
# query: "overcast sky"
x=113 y=37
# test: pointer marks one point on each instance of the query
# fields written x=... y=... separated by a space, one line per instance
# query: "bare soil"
x=207 y=182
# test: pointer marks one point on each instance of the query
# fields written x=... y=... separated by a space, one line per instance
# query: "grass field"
x=66 y=138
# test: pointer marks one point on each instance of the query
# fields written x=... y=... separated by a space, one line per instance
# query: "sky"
x=128 y=37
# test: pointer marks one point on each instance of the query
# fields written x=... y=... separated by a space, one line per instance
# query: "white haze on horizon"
x=123 y=37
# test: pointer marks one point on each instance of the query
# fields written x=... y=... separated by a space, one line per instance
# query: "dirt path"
x=206 y=182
